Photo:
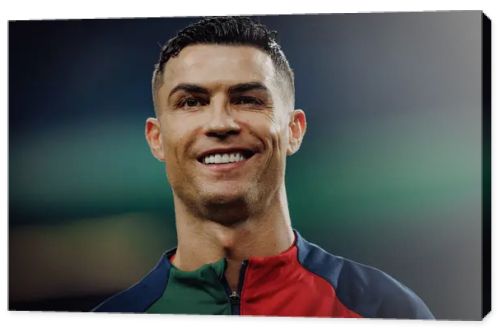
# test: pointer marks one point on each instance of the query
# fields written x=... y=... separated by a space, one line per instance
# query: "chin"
x=225 y=199
x=227 y=208
x=224 y=192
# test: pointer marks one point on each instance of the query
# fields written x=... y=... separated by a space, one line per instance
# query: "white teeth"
x=225 y=158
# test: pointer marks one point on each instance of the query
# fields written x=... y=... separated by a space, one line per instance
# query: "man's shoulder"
x=141 y=295
x=363 y=289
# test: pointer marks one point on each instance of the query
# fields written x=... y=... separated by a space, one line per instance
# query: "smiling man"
x=225 y=124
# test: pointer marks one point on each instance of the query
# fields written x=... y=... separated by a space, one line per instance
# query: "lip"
x=225 y=167
x=247 y=152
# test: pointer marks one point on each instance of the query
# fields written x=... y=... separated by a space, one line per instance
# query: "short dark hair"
x=227 y=30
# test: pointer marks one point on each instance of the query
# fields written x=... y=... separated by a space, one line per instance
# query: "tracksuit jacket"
x=304 y=280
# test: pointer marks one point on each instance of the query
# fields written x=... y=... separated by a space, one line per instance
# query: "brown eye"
x=247 y=100
x=190 y=102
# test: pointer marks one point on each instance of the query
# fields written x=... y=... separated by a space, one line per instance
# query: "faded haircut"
x=228 y=30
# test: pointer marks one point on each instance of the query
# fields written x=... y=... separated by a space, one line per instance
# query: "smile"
x=226 y=157
x=223 y=158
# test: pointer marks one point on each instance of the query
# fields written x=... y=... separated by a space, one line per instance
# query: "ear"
x=153 y=136
x=296 y=130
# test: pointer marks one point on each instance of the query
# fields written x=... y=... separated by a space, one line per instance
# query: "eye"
x=190 y=102
x=247 y=100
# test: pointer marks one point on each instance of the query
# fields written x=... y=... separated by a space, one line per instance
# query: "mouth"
x=225 y=156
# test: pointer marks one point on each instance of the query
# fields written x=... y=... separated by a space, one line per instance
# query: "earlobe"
x=153 y=137
x=297 y=129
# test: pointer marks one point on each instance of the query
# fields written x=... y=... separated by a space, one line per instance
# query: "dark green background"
x=389 y=173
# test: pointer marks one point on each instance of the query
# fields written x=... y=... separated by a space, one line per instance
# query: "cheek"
x=272 y=132
x=169 y=154
x=176 y=136
x=278 y=131
x=167 y=137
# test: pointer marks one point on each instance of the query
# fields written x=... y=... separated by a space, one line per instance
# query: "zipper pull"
x=234 y=297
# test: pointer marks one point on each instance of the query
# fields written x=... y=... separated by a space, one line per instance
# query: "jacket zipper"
x=235 y=296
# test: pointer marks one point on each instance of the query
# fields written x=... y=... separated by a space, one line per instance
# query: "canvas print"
x=333 y=165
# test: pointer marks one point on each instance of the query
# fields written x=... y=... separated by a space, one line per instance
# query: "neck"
x=202 y=241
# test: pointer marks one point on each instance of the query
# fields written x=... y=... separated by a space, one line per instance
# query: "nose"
x=221 y=123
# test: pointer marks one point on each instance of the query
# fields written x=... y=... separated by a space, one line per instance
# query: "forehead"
x=219 y=65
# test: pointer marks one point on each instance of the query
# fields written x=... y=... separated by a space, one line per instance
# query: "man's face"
x=224 y=130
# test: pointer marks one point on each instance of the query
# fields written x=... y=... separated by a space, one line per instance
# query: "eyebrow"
x=244 y=87
x=190 y=88
x=236 y=89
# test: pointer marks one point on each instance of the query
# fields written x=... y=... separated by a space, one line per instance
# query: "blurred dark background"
x=389 y=173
